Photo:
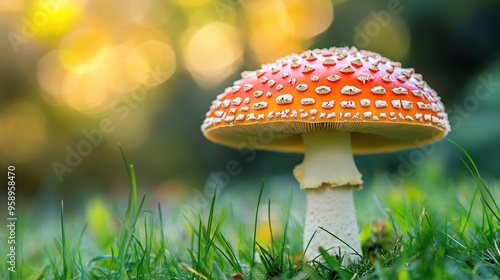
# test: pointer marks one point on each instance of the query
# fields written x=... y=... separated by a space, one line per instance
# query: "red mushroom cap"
x=384 y=106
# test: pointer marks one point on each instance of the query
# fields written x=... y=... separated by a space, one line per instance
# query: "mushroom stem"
x=328 y=161
x=333 y=210
x=328 y=173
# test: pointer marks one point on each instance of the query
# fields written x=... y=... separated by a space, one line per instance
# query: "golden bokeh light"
x=127 y=69
x=285 y=26
x=256 y=5
x=160 y=58
x=86 y=91
x=268 y=226
x=90 y=79
x=53 y=18
x=50 y=73
x=12 y=6
x=307 y=19
x=193 y=3
x=84 y=49
x=83 y=91
x=23 y=131
x=267 y=44
x=148 y=12
x=212 y=52
x=386 y=33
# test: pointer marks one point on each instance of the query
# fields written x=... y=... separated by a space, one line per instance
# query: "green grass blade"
x=229 y=254
x=129 y=175
x=265 y=258
x=124 y=158
x=285 y=232
x=162 y=232
x=254 y=242
x=126 y=221
x=198 y=253
x=210 y=216
x=335 y=264
x=139 y=209
x=343 y=242
x=63 y=244
x=133 y=186
x=486 y=195
x=308 y=244
x=469 y=213
x=269 y=221
x=491 y=210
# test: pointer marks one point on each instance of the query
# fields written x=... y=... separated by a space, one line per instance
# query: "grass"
x=441 y=232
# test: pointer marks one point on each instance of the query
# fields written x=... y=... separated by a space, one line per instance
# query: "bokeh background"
x=78 y=77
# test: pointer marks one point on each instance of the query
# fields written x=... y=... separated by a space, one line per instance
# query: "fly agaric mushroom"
x=329 y=104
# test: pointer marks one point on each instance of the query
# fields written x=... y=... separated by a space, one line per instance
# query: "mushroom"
x=328 y=104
